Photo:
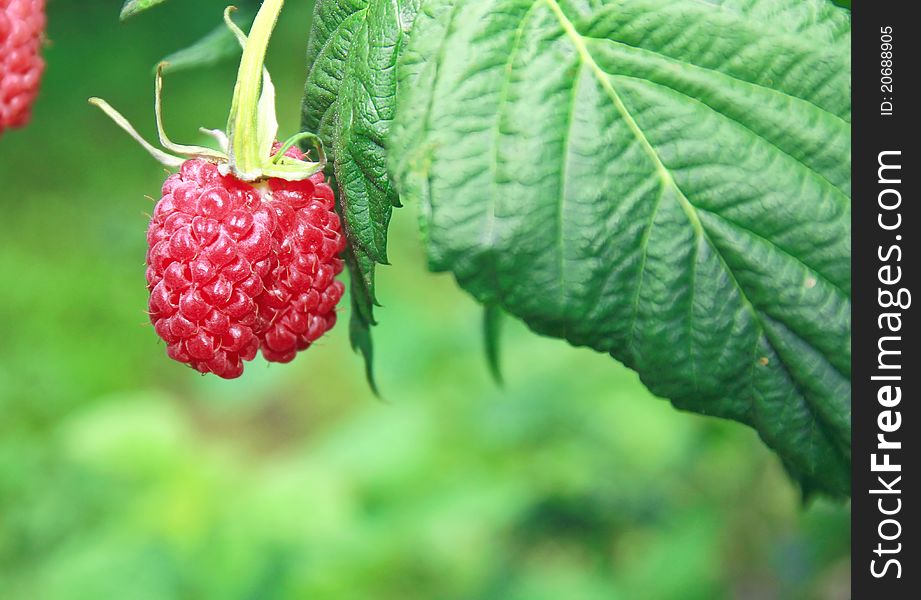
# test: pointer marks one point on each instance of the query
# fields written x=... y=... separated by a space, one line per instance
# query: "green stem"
x=243 y=124
x=296 y=138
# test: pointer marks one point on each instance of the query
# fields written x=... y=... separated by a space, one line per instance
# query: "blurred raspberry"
x=22 y=26
x=211 y=247
x=299 y=302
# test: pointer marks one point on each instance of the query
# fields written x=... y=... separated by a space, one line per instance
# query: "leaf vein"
x=664 y=174
x=839 y=194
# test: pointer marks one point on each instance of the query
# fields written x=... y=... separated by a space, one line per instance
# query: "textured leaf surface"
x=349 y=99
x=133 y=7
x=663 y=180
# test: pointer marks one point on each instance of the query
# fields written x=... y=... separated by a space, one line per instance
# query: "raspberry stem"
x=246 y=149
x=250 y=134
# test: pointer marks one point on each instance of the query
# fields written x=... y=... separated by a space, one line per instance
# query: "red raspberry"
x=239 y=257
x=232 y=267
x=298 y=304
x=22 y=23
x=210 y=248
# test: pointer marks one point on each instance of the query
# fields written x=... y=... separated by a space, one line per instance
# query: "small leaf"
x=361 y=319
x=667 y=181
x=349 y=101
x=364 y=110
x=333 y=27
x=133 y=7
x=217 y=46
x=492 y=334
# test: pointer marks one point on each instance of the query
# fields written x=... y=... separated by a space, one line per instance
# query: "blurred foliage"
x=123 y=475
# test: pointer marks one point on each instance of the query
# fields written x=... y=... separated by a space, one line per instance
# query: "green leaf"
x=217 y=46
x=492 y=335
x=362 y=318
x=133 y=7
x=334 y=26
x=667 y=181
x=349 y=100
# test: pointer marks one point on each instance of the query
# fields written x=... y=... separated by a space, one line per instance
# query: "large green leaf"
x=663 y=180
x=349 y=99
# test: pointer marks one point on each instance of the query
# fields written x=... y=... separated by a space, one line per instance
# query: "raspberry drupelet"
x=210 y=245
x=232 y=267
x=243 y=245
x=298 y=304
x=22 y=27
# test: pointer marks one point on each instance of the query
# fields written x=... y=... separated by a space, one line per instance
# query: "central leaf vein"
x=662 y=171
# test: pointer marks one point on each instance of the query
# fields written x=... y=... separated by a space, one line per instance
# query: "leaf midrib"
x=666 y=177
x=840 y=195
x=844 y=123
x=579 y=43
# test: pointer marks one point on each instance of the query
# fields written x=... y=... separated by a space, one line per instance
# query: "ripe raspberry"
x=22 y=23
x=232 y=267
x=243 y=244
x=298 y=304
x=210 y=247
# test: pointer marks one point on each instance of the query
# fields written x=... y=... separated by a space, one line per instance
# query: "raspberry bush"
x=623 y=175
x=619 y=174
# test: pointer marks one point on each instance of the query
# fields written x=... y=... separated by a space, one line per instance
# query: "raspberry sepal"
x=246 y=149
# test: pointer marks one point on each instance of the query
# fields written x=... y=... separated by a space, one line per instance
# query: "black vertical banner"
x=886 y=561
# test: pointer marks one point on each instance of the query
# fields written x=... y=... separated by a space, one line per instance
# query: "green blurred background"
x=126 y=476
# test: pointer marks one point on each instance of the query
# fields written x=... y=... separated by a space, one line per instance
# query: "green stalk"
x=243 y=126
